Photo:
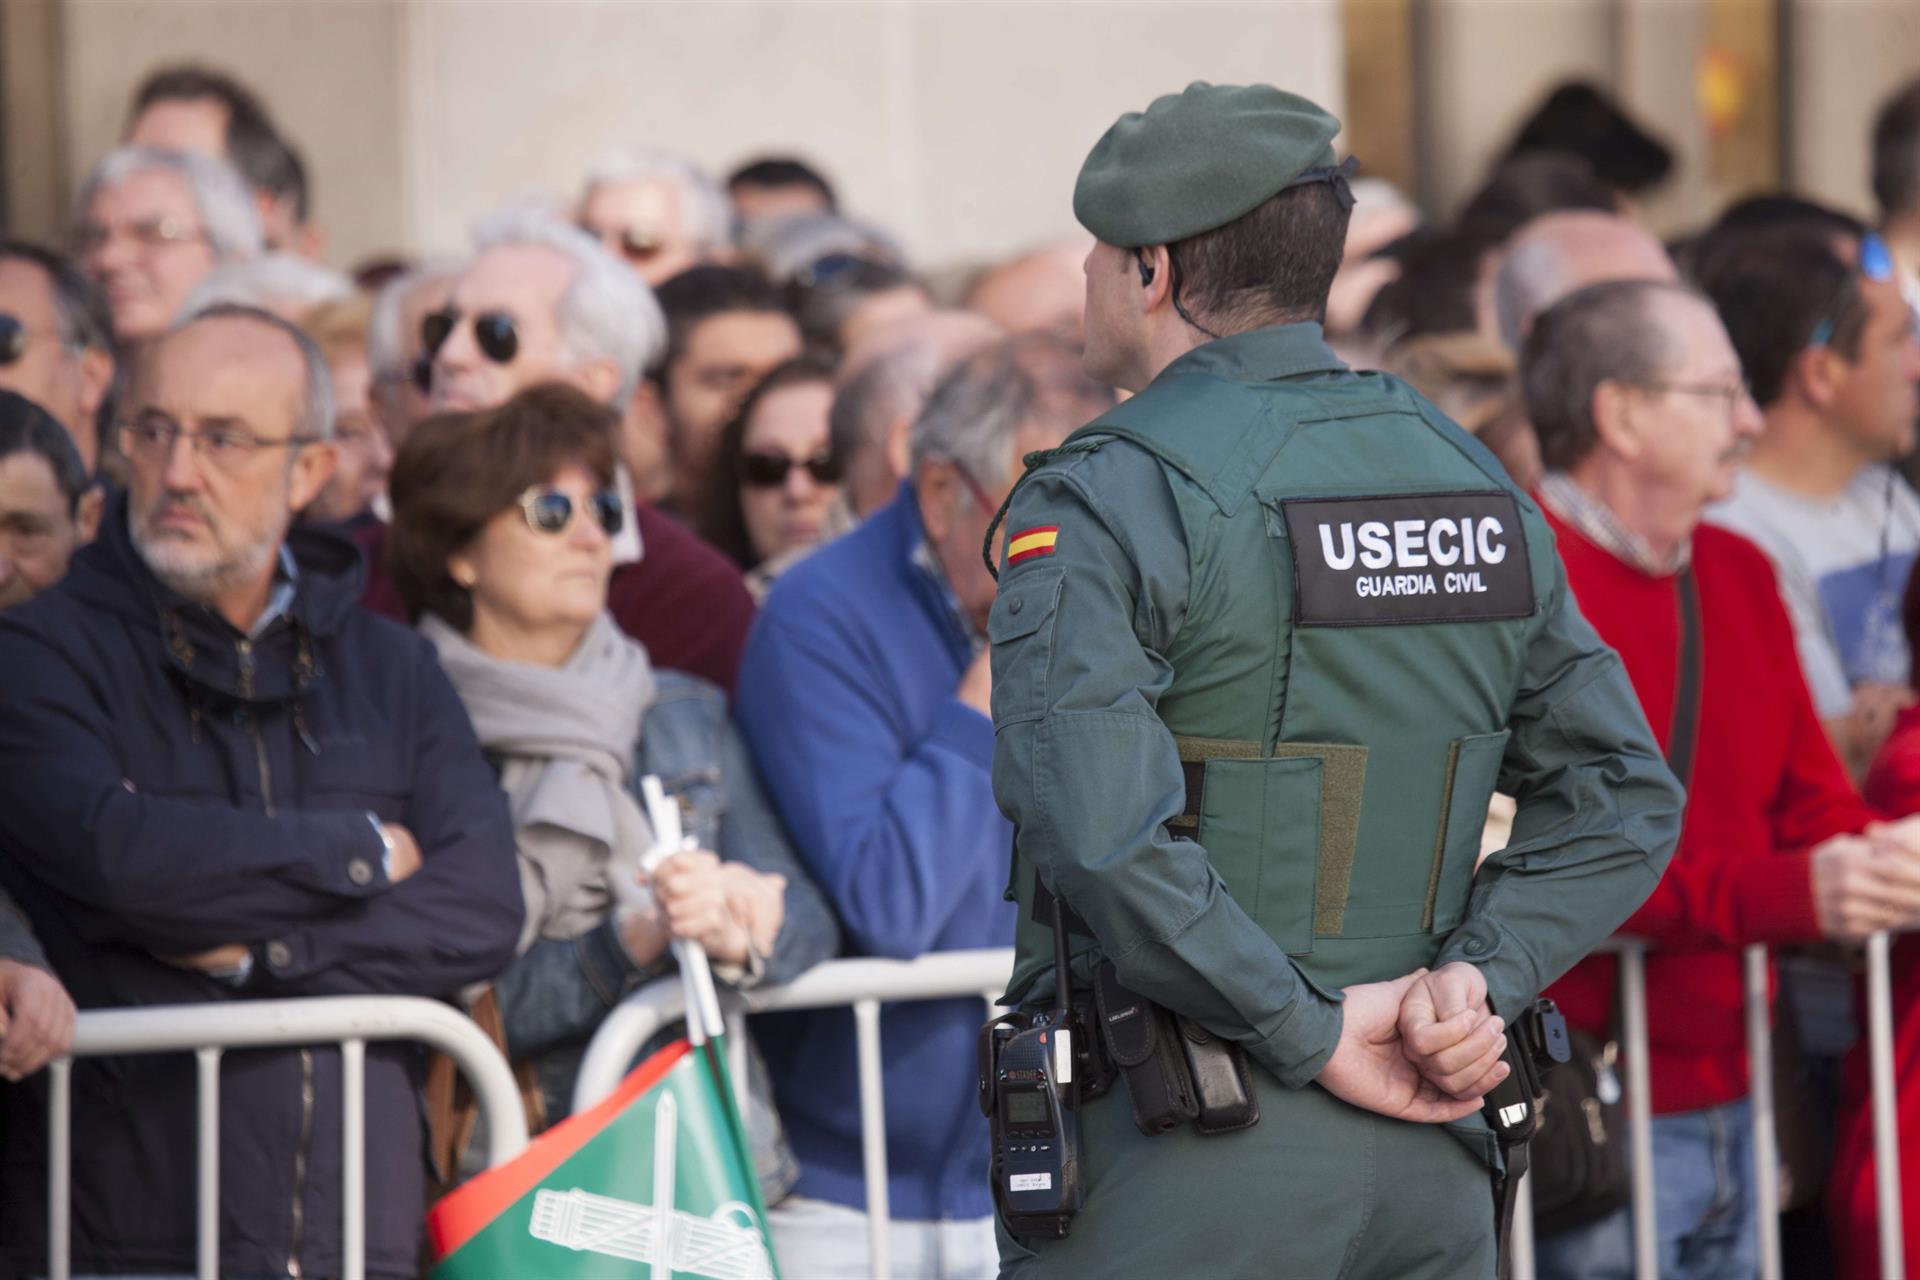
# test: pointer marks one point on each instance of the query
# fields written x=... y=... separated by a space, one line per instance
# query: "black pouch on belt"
x=1222 y=1081
x=1145 y=1045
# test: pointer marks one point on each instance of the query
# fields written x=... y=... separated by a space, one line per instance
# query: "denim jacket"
x=554 y=996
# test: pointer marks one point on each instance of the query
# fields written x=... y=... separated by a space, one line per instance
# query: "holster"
x=1222 y=1081
x=1145 y=1044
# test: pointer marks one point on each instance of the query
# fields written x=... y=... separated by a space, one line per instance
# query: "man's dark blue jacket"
x=168 y=786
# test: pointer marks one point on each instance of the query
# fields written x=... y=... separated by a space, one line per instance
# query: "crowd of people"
x=343 y=615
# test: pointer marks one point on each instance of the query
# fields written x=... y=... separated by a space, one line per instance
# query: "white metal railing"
x=209 y=1029
x=863 y=984
x=867 y=984
x=1766 y=1158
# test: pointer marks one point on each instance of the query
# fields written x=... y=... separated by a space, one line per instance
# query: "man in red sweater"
x=542 y=302
x=1643 y=418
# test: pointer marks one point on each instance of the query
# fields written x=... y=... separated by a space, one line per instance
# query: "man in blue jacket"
x=865 y=697
x=219 y=780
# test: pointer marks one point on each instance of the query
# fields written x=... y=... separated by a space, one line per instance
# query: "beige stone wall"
x=957 y=124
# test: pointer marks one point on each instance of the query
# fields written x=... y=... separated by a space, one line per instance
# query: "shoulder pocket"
x=1021 y=631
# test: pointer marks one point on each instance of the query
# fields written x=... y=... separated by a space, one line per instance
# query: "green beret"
x=1197 y=160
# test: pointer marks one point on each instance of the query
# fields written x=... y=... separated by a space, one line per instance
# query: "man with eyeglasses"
x=865 y=697
x=221 y=780
x=56 y=342
x=1827 y=344
x=152 y=226
x=541 y=302
x=1644 y=418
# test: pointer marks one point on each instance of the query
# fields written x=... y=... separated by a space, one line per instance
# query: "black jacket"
x=169 y=786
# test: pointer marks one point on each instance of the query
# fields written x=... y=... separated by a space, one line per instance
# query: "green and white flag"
x=655 y=1182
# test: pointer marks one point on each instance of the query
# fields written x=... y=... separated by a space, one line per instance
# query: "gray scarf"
x=565 y=739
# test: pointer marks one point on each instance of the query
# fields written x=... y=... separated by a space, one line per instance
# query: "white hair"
x=227 y=212
x=703 y=206
x=607 y=312
x=386 y=343
x=1015 y=389
x=278 y=282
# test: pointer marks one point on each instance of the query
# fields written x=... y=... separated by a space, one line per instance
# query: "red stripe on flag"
x=466 y=1211
x=1029 y=554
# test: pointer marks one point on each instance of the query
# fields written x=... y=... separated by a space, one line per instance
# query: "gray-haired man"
x=872 y=654
x=221 y=780
x=153 y=225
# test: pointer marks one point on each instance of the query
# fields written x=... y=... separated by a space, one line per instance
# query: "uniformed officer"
x=1268 y=636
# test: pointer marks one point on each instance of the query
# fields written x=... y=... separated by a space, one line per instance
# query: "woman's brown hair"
x=457 y=471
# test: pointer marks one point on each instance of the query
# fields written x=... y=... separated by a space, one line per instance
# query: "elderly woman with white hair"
x=153 y=225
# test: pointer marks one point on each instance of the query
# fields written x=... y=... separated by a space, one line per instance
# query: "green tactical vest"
x=1365 y=581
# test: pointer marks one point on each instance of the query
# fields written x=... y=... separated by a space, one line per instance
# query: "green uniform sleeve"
x=1599 y=815
x=1089 y=774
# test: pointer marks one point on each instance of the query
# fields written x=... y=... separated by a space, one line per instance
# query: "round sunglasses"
x=770 y=470
x=550 y=510
x=493 y=332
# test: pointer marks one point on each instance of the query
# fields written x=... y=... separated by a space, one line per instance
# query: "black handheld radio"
x=1028 y=1094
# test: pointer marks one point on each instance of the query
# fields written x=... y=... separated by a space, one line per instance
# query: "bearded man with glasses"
x=222 y=780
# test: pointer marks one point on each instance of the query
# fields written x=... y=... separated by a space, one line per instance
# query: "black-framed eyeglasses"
x=770 y=470
x=493 y=332
x=550 y=510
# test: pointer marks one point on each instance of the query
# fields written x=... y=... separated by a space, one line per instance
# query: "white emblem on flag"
x=726 y=1246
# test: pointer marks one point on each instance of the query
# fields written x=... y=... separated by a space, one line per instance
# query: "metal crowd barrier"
x=1766 y=1158
x=863 y=984
x=209 y=1029
x=866 y=984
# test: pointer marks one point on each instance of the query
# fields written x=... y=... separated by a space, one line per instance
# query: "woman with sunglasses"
x=778 y=473
x=501 y=547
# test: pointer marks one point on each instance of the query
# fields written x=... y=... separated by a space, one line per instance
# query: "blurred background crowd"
x=687 y=418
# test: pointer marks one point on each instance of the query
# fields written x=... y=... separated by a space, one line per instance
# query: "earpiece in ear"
x=1146 y=270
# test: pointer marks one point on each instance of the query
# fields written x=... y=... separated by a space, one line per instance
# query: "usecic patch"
x=1029 y=543
x=1408 y=558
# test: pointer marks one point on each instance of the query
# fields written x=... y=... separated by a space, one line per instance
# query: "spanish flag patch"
x=1029 y=543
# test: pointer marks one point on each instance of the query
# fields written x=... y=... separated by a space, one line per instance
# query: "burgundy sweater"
x=1766 y=788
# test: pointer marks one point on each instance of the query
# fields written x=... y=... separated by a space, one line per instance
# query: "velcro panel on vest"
x=1343 y=780
x=1343 y=775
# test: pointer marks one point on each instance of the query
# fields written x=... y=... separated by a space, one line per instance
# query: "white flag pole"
x=704 y=1020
